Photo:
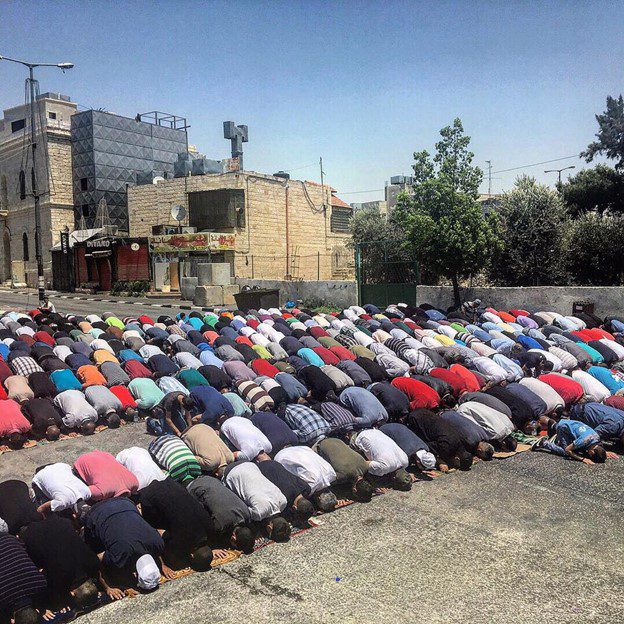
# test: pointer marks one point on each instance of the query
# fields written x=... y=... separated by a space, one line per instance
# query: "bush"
x=595 y=256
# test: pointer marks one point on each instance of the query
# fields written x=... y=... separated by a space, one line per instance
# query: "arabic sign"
x=212 y=241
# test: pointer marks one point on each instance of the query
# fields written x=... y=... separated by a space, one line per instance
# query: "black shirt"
x=440 y=435
x=521 y=411
x=41 y=384
x=16 y=508
x=163 y=365
x=276 y=430
x=56 y=548
x=373 y=370
x=316 y=381
x=289 y=484
x=216 y=377
x=168 y=505
x=608 y=354
x=171 y=404
x=42 y=413
x=396 y=402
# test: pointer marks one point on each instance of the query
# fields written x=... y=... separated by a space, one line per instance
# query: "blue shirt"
x=310 y=357
x=529 y=343
x=611 y=379
x=607 y=422
x=211 y=403
x=404 y=438
x=276 y=430
x=574 y=432
x=65 y=380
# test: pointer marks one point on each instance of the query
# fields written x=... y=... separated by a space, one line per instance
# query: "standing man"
x=172 y=415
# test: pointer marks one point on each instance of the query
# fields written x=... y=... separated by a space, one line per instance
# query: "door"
x=105 y=273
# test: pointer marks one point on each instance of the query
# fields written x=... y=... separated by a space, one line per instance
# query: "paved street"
x=527 y=539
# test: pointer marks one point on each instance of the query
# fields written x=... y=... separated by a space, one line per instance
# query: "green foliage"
x=600 y=189
x=596 y=250
x=610 y=134
x=535 y=229
x=133 y=288
x=368 y=225
x=445 y=226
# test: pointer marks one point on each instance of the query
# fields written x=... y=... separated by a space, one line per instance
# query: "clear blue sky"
x=362 y=84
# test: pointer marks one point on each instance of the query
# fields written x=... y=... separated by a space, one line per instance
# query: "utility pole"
x=33 y=144
x=322 y=185
x=558 y=171
x=489 y=164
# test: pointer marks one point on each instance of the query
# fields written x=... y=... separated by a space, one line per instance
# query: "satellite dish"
x=178 y=213
x=134 y=246
x=158 y=179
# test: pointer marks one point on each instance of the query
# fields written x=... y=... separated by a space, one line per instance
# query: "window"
x=84 y=184
x=22 y=185
x=18 y=125
x=340 y=218
x=25 y=247
x=223 y=209
x=52 y=115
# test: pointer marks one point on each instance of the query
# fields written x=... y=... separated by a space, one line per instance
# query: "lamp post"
x=33 y=144
x=559 y=171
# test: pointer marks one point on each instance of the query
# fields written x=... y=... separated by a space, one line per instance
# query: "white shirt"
x=62 y=351
x=263 y=498
x=187 y=360
x=98 y=343
x=245 y=437
x=568 y=361
x=147 y=351
x=94 y=318
x=171 y=384
x=545 y=392
x=75 y=407
x=514 y=372
x=140 y=463
x=497 y=424
x=490 y=369
x=259 y=339
x=308 y=465
x=594 y=390
x=383 y=453
x=616 y=347
x=59 y=484
x=556 y=362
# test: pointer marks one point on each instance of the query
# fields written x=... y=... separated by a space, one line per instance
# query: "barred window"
x=340 y=218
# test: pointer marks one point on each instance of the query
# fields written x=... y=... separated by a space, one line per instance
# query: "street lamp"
x=559 y=171
x=33 y=142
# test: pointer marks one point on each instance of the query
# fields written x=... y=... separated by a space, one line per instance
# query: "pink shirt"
x=11 y=419
x=105 y=476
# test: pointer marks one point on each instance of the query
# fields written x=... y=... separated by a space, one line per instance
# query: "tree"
x=610 y=134
x=596 y=250
x=600 y=189
x=446 y=229
x=535 y=227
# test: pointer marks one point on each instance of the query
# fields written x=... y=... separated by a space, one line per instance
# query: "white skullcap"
x=427 y=459
x=147 y=572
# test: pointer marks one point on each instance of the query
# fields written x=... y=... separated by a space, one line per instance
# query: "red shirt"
x=518 y=312
x=418 y=393
x=505 y=316
x=5 y=371
x=569 y=390
x=146 y=320
x=210 y=336
x=43 y=336
x=253 y=323
x=264 y=367
x=135 y=369
x=123 y=394
x=342 y=353
x=615 y=401
x=453 y=379
x=317 y=332
x=105 y=476
x=244 y=340
x=11 y=419
x=470 y=379
x=326 y=355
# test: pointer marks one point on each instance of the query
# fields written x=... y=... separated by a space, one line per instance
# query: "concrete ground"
x=532 y=538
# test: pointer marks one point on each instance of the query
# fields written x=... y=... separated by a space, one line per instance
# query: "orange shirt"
x=89 y=375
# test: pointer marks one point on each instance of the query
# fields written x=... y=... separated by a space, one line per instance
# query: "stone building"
x=266 y=227
x=54 y=181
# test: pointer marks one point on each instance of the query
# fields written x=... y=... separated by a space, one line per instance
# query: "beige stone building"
x=273 y=228
x=54 y=179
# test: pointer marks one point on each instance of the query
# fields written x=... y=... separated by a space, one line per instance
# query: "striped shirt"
x=175 y=457
x=20 y=580
x=254 y=394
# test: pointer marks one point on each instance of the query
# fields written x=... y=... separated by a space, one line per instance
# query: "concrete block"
x=229 y=292
x=214 y=274
x=208 y=296
x=187 y=287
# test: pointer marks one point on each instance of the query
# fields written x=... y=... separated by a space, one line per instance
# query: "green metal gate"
x=385 y=274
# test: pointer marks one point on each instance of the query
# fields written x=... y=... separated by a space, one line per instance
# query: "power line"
x=544 y=162
x=356 y=192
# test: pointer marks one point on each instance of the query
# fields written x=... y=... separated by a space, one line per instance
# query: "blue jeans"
x=157 y=424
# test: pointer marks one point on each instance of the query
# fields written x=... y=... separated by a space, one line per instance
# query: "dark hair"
x=331 y=396
x=188 y=402
x=464 y=460
x=244 y=539
x=52 y=433
x=280 y=530
x=448 y=400
x=363 y=490
x=547 y=365
x=85 y=595
x=326 y=501
x=26 y=615
x=485 y=451
x=87 y=428
x=113 y=421
x=305 y=509
x=552 y=427
x=402 y=480
x=598 y=454
x=16 y=440
x=201 y=558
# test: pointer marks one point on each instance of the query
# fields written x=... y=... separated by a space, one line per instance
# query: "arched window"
x=25 y=247
x=22 y=185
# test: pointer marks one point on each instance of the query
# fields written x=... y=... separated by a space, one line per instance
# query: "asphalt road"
x=526 y=539
x=532 y=538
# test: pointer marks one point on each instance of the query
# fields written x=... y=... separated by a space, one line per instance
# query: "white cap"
x=147 y=572
x=427 y=459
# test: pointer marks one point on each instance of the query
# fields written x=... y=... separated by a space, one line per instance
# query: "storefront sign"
x=65 y=242
x=99 y=243
x=205 y=241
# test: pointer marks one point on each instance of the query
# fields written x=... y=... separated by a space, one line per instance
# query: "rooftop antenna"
x=237 y=135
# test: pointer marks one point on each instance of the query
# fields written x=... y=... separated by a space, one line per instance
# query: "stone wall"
x=276 y=241
x=339 y=293
x=607 y=299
